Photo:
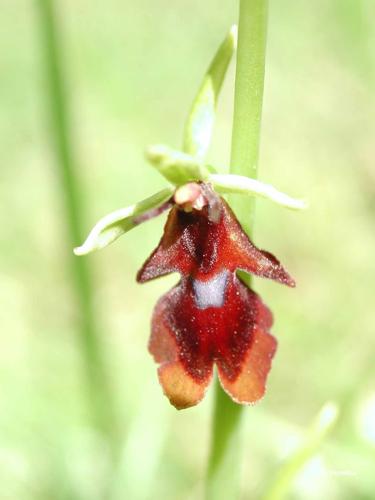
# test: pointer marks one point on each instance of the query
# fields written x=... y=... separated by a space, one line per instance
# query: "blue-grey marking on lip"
x=211 y=293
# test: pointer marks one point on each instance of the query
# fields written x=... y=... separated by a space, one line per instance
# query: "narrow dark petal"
x=153 y=212
x=215 y=205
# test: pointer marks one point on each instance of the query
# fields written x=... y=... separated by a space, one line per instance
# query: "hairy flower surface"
x=210 y=317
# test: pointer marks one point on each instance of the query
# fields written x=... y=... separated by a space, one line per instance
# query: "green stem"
x=225 y=456
x=248 y=100
x=100 y=396
x=223 y=475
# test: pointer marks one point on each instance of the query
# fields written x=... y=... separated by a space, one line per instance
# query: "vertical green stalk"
x=248 y=101
x=225 y=457
x=100 y=396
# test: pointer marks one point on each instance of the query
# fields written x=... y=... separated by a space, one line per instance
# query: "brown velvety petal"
x=242 y=254
x=220 y=320
x=250 y=384
x=185 y=239
x=165 y=258
x=183 y=373
x=194 y=244
x=245 y=352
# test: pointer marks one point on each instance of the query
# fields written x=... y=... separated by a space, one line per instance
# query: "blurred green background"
x=132 y=69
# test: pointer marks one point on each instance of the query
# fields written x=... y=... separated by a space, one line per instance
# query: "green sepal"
x=177 y=167
x=200 y=122
x=115 y=224
x=239 y=184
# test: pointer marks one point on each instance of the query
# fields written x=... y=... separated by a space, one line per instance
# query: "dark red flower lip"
x=187 y=341
x=210 y=317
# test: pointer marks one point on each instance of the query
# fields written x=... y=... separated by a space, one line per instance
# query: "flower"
x=210 y=317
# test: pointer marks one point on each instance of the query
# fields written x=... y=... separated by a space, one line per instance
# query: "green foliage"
x=314 y=437
x=199 y=125
x=239 y=184
x=131 y=68
x=177 y=167
x=181 y=167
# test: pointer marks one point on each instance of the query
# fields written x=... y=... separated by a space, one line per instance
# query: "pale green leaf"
x=200 y=122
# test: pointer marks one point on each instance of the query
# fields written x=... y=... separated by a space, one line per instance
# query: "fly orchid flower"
x=210 y=317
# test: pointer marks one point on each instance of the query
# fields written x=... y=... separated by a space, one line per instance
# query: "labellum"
x=210 y=317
